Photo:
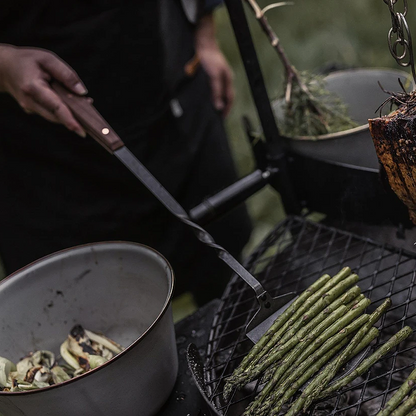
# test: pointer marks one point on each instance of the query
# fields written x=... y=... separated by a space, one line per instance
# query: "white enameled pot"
x=121 y=289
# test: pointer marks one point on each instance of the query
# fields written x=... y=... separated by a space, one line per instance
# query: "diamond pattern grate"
x=291 y=258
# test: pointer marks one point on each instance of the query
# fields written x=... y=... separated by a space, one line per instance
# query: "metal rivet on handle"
x=105 y=130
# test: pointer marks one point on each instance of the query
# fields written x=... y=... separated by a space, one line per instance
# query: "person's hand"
x=25 y=74
x=215 y=65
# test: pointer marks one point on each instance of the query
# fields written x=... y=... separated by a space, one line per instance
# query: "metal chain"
x=399 y=37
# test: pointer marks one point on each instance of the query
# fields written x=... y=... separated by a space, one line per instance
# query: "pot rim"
x=127 y=349
x=362 y=127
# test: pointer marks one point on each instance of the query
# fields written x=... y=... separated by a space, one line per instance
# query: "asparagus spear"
x=316 y=338
x=321 y=294
x=299 y=332
x=408 y=405
x=252 y=373
x=336 y=321
x=353 y=313
x=368 y=362
x=304 y=377
x=271 y=370
x=294 y=373
x=332 y=282
x=282 y=319
x=355 y=300
x=325 y=300
x=246 y=377
x=270 y=408
x=347 y=319
x=400 y=394
x=323 y=378
x=325 y=295
x=288 y=359
x=293 y=337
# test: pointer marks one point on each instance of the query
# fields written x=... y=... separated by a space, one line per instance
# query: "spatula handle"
x=90 y=118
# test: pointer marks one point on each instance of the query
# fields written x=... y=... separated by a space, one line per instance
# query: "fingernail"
x=80 y=89
x=81 y=133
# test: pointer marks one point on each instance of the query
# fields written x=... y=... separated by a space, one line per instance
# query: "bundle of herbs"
x=313 y=339
x=309 y=108
x=315 y=112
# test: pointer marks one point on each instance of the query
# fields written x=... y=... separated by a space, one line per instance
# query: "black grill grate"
x=291 y=258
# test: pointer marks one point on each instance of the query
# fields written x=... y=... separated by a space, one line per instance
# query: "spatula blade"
x=263 y=320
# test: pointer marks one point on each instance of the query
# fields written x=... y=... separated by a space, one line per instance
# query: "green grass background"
x=314 y=33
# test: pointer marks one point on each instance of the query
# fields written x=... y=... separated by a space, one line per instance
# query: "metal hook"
x=400 y=28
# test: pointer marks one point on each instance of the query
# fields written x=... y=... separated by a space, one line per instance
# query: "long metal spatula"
x=95 y=125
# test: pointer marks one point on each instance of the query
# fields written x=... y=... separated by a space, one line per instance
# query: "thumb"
x=62 y=72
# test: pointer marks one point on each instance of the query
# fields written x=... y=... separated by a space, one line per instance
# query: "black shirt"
x=56 y=188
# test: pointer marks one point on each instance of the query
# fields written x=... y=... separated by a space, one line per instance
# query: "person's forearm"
x=205 y=32
x=5 y=50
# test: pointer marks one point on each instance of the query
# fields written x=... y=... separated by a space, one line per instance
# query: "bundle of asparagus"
x=324 y=319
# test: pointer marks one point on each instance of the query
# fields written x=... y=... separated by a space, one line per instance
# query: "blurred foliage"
x=315 y=34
